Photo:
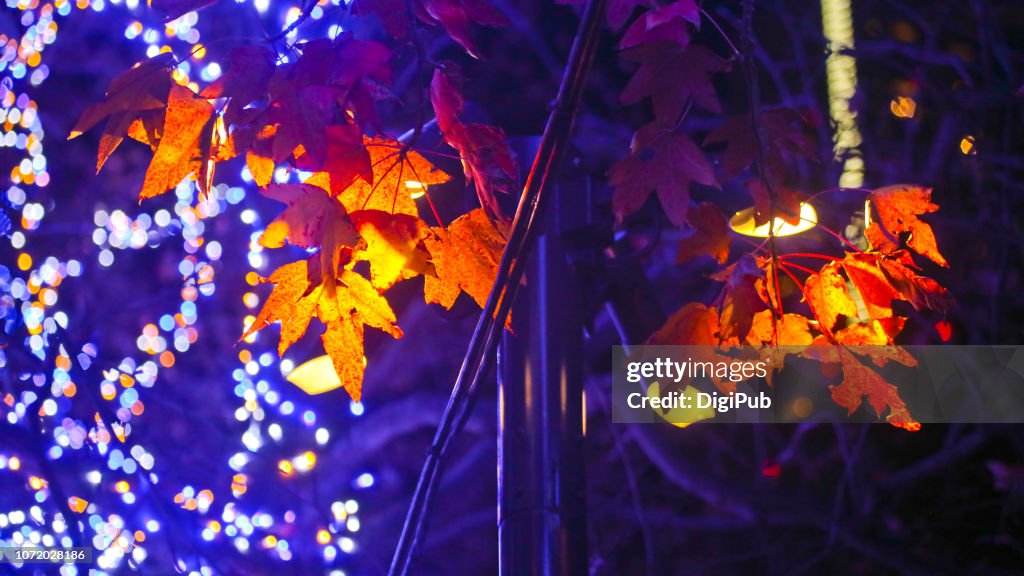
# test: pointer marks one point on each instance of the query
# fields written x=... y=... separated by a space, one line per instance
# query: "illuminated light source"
x=305 y=462
x=416 y=188
x=286 y=467
x=323 y=537
x=743 y=222
x=841 y=74
x=903 y=107
x=122 y=487
x=967 y=145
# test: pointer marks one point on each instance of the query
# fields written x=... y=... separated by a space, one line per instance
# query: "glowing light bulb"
x=743 y=223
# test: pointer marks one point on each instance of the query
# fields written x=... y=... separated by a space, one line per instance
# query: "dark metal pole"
x=541 y=502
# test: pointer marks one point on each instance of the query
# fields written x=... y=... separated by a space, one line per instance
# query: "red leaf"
x=486 y=158
x=668 y=23
x=860 y=381
x=786 y=205
x=945 y=330
x=660 y=160
x=693 y=324
x=740 y=300
x=455 y=17
x=825 y=292
x=673 y=77
x=310 y=210
x=921 y=292
x=249 y=69
x=710 y=235
x=346 y=158
x=780 y=129
x=898 y=208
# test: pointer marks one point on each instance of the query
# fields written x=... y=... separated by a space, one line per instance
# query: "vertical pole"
x=541 y=501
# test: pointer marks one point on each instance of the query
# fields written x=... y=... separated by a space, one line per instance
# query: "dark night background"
x=829 y=498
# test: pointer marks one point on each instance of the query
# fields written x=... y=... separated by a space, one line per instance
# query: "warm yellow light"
x=122 y=487
x=285 y=467
x=967 y=145
x=416 y=188
x=841 y=75
x=903 y=107
x=323 y=537
x=315 y=376
x=305 y=462
x=743 y=223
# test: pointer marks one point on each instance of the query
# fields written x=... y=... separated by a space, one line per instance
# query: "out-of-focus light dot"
x=967 y=146
x=322 y=436
x=248 y=216
x=17 y=240
x=309 y=418
x=122 y=487
x=93 y=477
x=305 y=462
x=152 y=526
x=323 y=537
x=274 y=431
x=49 y=407
x=74 y=268
x=356 y=408
x=285 y=467
x=365 y=480
x=213 y=250
x=903 y=107
x=351 y=506
x=347 y=545
x=287 y=407
x=24 y=261
x=106 y=257
x=352 y=524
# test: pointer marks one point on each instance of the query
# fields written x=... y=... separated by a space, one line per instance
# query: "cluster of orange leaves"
x=848 y=302
x=311 y=114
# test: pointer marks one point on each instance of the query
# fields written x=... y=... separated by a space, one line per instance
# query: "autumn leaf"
x=292 y=302
x=673 y=77
x=249 y=69
x=145 y=87
x=176 y=155
x=392 y=242
x=393 y=166
x=860 y=381
x=309 y=211
x=898 y=208
x=872 y=287
x=789 y=330
x=174 y=9
x=298 y=294
x=346 y=158
x=693 y=324
x=780 y=130
x=740 y=300
x=825 y=292
x=486 y=158
x=709 y=235
x=786 y=204
x=660 y=160
x=455 y=16
x=667 y=23
x=465 y=257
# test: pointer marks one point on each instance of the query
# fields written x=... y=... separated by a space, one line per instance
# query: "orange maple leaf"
x=393 y=246
x=299 y=293
x=465 y=257
x=860 y=381
x=825 y=292
x=898 y=208
x=693 y=324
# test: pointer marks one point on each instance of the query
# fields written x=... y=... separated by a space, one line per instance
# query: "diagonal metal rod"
x=556 y=137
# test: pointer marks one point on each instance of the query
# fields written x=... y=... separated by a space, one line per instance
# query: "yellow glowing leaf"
x=315 y=376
